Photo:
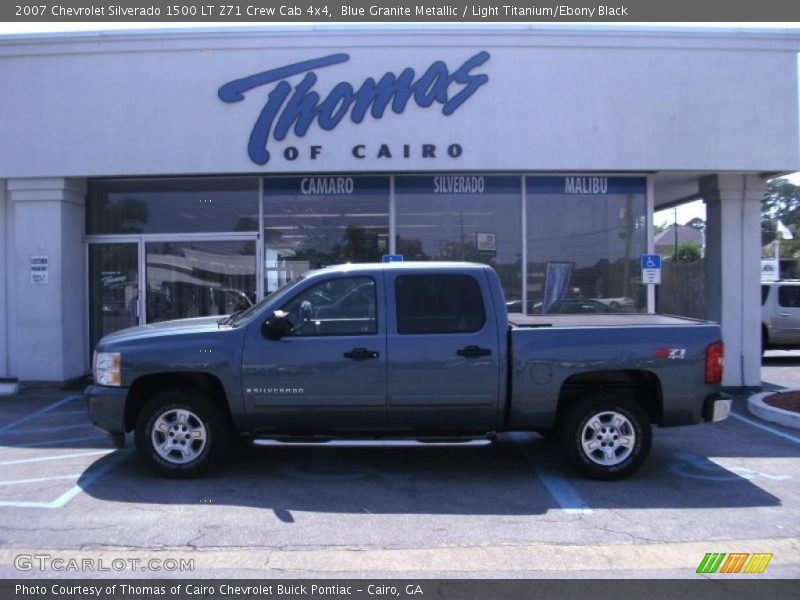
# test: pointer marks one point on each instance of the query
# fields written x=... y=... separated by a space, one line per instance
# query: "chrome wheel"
x=608 y=438
x=179 y=436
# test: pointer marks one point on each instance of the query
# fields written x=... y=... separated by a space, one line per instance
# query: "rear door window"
x=439 y=304
x=789 y=296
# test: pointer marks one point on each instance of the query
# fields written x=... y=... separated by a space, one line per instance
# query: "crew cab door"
x=443 y=349
x=329 y=375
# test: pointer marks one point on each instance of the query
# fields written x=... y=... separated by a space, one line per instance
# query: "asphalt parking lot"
x=505 y=509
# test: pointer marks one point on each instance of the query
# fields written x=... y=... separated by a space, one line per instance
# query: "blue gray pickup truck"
x=421 y=351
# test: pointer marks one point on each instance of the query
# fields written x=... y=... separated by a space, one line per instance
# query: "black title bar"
x=399 y=11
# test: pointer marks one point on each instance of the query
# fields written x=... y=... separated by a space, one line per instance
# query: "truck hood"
x=177 y=327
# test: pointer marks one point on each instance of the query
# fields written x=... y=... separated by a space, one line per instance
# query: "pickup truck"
x=423 y=351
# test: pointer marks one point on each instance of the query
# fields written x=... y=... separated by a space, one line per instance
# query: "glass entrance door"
x=114 y=301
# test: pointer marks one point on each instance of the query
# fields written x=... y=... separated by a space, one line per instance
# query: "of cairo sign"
x=298 y=108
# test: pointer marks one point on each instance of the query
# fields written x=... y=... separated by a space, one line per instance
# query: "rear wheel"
x=606 y=437
x=181 y=433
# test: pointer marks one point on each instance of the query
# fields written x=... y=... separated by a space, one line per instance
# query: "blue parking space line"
x=38 y=413
x=553 y=481
x=46 y=429
x=55 y=442
x=772 y=430
x=86 y=480
x=64 y=413
x=23 y=461
x=39 y=479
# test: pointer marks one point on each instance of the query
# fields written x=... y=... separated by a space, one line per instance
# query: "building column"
x=733 y=271
x=5 y=372
x=46 y=279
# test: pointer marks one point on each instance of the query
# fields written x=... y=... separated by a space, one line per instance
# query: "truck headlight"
x=108 y=368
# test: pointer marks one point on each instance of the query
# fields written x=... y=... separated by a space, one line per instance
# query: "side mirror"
x=277 y=326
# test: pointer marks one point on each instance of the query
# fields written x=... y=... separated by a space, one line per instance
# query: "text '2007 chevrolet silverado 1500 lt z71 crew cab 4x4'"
x=404 y=350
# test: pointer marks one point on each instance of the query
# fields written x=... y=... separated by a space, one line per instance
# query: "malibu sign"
x=297 y=108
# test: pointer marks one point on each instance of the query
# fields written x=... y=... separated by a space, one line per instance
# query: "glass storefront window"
x=202 y=205
x=472 y=218
x=585 y=236
x=312 y=222
x=196 y=279
x=113 y=288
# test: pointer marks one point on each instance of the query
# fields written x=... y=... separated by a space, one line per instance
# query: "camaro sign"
x=297 y=108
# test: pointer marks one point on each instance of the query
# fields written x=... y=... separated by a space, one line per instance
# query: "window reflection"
x=312 y=222
x=585 y=237
x=118 y=206
x=473 y=218
x=195 y=279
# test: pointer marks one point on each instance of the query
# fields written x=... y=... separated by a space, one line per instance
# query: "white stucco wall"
x=4 y=367
x=555 y=100
x=47 y=321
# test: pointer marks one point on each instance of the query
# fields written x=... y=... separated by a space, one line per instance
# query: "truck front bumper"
x=717 y=407
x=106 y=406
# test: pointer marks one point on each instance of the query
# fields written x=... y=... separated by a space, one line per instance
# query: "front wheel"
x=606 y=437
x=181 y=433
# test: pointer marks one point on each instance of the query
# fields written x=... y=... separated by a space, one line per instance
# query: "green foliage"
x=687 y=252
x=781 y=202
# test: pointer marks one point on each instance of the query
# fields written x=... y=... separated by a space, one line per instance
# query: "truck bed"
x=599 y=320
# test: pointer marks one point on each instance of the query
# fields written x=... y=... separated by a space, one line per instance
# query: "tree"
x=687 y=252
x=781 y=202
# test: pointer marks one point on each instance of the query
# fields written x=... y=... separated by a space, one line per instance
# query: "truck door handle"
x=784 y=314
x=473 y=352
x=361 y=354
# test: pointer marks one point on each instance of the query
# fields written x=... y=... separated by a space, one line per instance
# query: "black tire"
x=117 y=440
x=204 y=417
x=613 y=306
x=635 y=421
x=549 y=435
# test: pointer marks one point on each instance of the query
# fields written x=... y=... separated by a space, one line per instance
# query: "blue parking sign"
x=389 y=258
x=651 y=261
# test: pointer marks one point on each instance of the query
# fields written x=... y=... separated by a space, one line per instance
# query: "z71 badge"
x=673 y=353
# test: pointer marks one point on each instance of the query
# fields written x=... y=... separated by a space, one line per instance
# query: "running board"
x=371 y=443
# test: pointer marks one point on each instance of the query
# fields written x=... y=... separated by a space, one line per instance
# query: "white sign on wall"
x=40 y=270
x=769 y=270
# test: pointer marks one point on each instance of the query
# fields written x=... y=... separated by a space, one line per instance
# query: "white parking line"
x=98 y=436
x=786 y=436
x=86 y=479
x=39 y=479
x=38 y=413
x=56 y=457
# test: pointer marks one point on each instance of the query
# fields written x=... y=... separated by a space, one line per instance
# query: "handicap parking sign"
x=651 y=261
x=651 y=269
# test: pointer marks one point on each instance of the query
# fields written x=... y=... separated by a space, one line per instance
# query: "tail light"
x=715 y=358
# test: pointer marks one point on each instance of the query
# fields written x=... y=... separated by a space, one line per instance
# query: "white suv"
x=780 y=315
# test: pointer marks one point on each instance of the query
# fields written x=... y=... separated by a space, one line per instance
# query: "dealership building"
x=159 y=175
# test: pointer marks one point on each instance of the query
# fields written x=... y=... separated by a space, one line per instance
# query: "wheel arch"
x=638 y=384
x=147 y=386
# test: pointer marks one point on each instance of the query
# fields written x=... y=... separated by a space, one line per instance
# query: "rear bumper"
x=106 y=406
x=717 y=407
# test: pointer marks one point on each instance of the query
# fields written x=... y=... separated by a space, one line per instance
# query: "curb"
x=759 y=408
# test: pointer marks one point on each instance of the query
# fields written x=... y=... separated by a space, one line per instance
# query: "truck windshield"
x=241 y=316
